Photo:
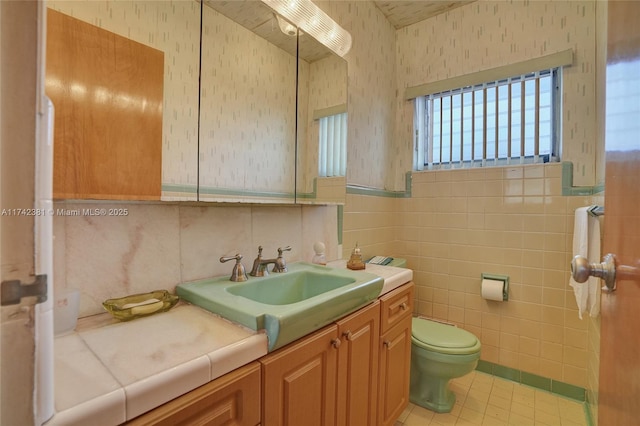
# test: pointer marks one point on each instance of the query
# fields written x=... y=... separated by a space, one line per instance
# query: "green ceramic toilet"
x=439 y=353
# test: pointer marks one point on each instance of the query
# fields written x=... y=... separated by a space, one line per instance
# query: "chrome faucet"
x=238 y=274
x=261 y=266
x=279 y=265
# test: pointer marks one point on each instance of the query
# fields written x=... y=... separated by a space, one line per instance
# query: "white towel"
x=586 y=243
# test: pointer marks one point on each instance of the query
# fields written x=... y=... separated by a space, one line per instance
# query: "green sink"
x=291 y=287
x=286 y=305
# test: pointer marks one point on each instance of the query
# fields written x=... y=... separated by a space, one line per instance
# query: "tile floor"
x=482 y=399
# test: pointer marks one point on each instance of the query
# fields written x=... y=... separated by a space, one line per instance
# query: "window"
x=332 y=155
x=508 y=121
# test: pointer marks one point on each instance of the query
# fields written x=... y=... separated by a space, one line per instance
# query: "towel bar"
x=596 y=211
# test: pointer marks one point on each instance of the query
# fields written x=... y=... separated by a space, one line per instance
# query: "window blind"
x=332 y=151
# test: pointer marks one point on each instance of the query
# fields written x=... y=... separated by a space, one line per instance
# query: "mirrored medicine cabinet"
x=247 y=132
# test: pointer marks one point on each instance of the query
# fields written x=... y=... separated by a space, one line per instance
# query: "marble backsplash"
x=151 y=246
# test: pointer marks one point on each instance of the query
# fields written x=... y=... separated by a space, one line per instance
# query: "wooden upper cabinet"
x=107 y=92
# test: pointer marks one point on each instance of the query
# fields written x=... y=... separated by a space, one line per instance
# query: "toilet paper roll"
x=492 y=289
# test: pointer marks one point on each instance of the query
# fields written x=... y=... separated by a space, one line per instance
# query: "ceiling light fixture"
x=285 y=26
x=312 y=20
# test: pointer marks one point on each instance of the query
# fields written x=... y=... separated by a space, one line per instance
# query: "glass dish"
x=140 y=305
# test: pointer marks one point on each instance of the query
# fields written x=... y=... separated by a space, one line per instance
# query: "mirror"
x=273 y=161
x=247 y=149
x=264 y=151
x=172 y=28
x=247 y=106
x=322 y=92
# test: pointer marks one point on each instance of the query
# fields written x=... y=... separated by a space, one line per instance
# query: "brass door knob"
x=581 y=270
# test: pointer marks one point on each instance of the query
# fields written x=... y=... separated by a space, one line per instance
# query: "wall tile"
x=551 y=351
x=157 y=246
x=531 y=244
x=113 y=256
x=208 y=234
x=551 y=369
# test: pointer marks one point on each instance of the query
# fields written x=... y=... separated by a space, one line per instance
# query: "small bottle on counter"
x=355 y=261
x=319 y=258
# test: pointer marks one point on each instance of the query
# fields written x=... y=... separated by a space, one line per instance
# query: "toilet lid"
x=443 y=338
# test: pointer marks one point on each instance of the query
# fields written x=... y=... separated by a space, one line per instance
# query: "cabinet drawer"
x=233 y=399
x=395 y=306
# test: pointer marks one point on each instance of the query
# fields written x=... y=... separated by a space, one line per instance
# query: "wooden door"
x=619 y=391
x=357 y=396
x=23 y=397
x=299 y=381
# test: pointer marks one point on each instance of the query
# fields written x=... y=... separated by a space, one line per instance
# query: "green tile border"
x=588 y=415
x=186 y=189
x=375 y=192
x=569 y=390
x=240 y=193
x=340 y=222
x=507 y=373
x=567 y=186
x=485 y=367
x=539 y=382
x=309 y=195
x=567 y=183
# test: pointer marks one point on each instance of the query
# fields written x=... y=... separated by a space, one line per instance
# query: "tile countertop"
x=108 y=372
x=393 y=276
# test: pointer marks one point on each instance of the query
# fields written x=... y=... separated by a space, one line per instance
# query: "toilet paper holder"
x=496 y=277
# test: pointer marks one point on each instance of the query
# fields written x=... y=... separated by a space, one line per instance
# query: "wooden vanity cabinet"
x=353 y=372
x=299 y=381
x=358 y=367
x=327 y=378
x=231 y=400
x=395 y=353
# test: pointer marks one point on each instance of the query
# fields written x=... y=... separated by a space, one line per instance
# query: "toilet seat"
x=442 y=338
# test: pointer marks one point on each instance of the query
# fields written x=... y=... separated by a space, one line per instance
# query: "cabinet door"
x=107 y=91
x=232 y=400
x=357 y=394
x=299 y=381
x=395 y=363
x=247 y=142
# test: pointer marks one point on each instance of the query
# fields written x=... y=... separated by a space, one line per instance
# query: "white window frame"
x=463 y=144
